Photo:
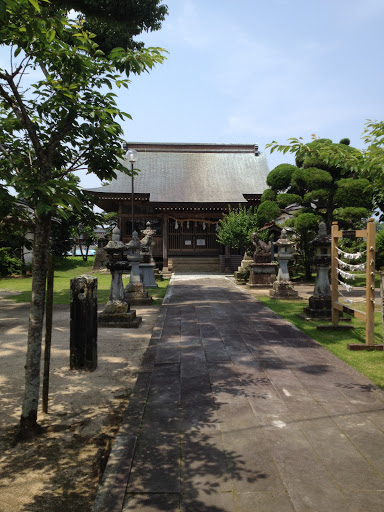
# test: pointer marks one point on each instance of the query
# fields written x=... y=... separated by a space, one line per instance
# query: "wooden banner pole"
x=370 y=283
x=334 y=266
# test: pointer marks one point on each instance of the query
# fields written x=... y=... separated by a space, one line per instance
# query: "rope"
x=361 y=266
x=351 y=255
x=347 y=275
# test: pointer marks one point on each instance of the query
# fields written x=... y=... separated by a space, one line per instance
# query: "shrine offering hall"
x=184 y=190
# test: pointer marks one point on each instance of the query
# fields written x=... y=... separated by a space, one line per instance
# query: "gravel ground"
x=61 y=470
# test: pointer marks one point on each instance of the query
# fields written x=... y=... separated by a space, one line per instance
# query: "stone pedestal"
x=262 y=275
x=117 y=313
x=242 y=273
x=134 y=291
x=283 y=290
x=147 y=273
x=319 y=307
x=320 y=303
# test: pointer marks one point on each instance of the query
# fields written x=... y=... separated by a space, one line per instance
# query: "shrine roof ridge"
x=196 y=147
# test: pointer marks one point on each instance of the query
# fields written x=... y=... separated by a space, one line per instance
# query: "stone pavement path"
x=237 y=410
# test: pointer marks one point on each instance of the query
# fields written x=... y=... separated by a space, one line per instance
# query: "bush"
x=268 y=211
x=280 y=177
x=268 y=195
x=8 y=263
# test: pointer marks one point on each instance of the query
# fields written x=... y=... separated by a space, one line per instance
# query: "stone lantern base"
x=283 y=290
x=118 y=314
x=262 y=275
x=148 y=275
x=319 y=307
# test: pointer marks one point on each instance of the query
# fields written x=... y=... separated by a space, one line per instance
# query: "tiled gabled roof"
x=194 y=173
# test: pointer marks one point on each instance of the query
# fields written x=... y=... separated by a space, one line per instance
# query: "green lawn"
x=369 y=363
x=360 y=279
x=65 y=270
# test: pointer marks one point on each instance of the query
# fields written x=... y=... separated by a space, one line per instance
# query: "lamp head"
x=132 y=155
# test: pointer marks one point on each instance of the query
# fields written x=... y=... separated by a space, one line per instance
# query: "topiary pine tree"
x=329 y=190
x=323 y=184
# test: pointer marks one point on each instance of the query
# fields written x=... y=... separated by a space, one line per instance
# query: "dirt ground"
x=61 y=470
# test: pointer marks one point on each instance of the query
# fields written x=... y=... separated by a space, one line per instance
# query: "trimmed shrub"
x=8 y=263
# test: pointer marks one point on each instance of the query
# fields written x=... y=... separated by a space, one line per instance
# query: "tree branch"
x=59 y=134
x=21 y=113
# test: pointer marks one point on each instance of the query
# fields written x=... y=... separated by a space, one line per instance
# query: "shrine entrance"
x=192 y=237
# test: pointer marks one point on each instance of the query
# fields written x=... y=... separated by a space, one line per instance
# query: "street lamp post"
x=132 y=156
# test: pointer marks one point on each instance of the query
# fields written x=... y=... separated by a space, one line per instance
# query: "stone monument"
x=262 y=270
x=117 y=312
x=282 y=288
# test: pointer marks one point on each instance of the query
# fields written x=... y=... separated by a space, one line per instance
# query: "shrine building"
x=184 y=190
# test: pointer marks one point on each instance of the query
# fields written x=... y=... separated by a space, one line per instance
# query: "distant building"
x=184 y=190
x=288 y=213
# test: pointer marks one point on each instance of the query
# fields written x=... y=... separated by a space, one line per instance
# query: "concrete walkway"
x=237 y=410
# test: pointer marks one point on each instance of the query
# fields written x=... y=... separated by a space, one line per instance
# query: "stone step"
x=200 y=264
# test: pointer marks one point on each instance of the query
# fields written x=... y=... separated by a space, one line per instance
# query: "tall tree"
x=65 y=121
x=326 y=181
x=116 y=22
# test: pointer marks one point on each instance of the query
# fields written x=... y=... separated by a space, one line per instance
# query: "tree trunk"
x=28 y=426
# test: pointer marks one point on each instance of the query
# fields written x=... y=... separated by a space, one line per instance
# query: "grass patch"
x=65 y=270
x=368 y=363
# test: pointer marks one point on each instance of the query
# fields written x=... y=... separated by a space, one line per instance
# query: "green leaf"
x=51 y=35
x=35 y=4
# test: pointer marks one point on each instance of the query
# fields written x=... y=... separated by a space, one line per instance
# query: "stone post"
x=83 y=327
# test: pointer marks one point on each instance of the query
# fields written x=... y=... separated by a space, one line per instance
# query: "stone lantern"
x=320 y=303
x=134 y=291
x=116 y=263
x=282 y=287
x=117 y=311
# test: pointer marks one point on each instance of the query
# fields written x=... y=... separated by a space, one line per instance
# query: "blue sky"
x=253 y=71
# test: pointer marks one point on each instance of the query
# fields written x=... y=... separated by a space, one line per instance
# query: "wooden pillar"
x=335 y=234
x=165 y=242
x=119 y=218
x=83 y=326
x=382 y=298
x=370 y=283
